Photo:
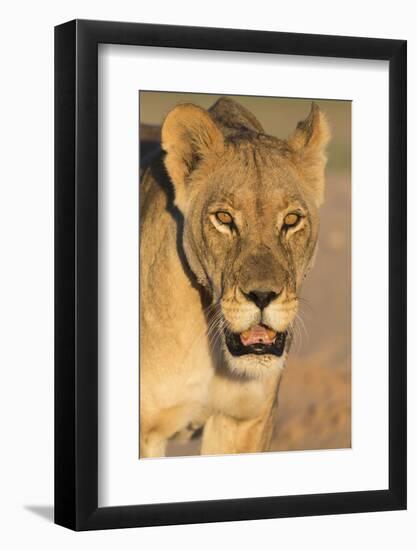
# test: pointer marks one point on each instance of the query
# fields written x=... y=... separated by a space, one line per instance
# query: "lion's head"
x=250 y=204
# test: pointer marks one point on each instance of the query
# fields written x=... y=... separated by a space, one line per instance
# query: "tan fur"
x=196 y=274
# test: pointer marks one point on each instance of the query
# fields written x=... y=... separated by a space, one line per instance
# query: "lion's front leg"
x=227 y=435
x=152 y=445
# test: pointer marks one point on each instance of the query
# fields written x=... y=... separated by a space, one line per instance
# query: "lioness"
x=228 y=233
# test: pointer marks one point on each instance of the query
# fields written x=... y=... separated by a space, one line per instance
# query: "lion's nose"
x=261 y=297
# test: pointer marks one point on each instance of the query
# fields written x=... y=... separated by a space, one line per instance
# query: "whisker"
x=297 y=336
x=213 y=322
x=216 y=334
x=305 y=303
x=301 y=320
x=204 y=333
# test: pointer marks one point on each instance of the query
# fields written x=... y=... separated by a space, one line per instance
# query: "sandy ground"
x=315 y=395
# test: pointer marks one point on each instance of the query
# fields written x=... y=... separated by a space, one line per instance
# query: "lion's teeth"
x=271 y=333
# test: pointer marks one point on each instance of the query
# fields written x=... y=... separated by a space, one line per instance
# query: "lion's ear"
x=308 y=143
x=189 y=134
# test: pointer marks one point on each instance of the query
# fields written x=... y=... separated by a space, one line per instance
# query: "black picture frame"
x=76 y=272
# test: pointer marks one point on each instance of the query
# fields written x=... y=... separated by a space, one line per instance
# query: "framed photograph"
x=230 y=246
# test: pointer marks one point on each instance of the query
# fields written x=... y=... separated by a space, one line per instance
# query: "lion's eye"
x=224 y=218
x=291 y=220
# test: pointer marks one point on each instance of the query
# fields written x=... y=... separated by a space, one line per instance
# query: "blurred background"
x=315 y=395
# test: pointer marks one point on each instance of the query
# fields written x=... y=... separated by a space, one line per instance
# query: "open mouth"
x=259 y=340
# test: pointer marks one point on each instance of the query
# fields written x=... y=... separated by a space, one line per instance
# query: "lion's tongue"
x=258 y=335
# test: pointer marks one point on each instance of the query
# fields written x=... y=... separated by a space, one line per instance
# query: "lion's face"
x=250 y=229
